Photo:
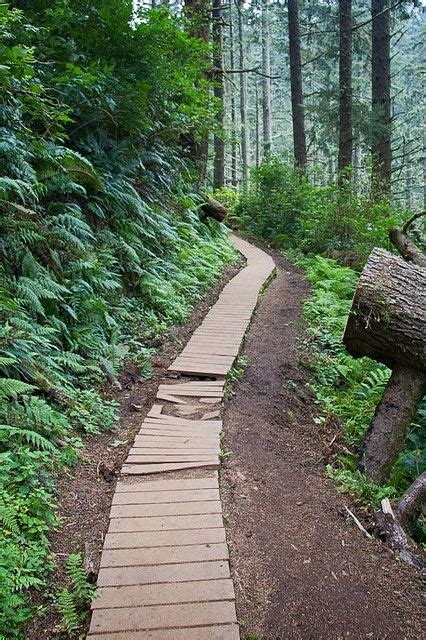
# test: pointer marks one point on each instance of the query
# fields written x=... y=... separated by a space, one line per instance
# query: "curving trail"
x=165 y=568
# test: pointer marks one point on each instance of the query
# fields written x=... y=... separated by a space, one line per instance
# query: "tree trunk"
x=213 y=209
x=243 y=101
x=408 y=178
x=196 y=12
x=234 y=177
x=386 y=434
x=257 y=123
x=387 y=320
x=380 y=98
x=298 y=116
x=219 y=92
x=345 y=90
x=266 y=81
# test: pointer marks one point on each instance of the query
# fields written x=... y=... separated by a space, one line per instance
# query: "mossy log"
x=387 y=322
x=213 y=209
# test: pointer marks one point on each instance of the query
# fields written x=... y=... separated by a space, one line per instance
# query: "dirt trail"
x=301 y=569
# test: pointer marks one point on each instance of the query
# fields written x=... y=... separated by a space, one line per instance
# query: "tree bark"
x=257 y=124
x=380 y=98
x=412 y=500
x=266 y=81
x=386 y=434
x=234 y=176
x=298 y=115
x=387 y=320
x=196 y=12
x=345 y=90
x=219 y=93
x=243 y=102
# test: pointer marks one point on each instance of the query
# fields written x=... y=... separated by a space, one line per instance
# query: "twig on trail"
x=332 y=440
x=358 y=524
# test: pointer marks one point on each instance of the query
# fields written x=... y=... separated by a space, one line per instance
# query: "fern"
x=83 y=589
x=67 y=608
x=26 y=435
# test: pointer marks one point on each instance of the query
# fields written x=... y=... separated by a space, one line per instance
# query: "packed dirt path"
x=301 y=569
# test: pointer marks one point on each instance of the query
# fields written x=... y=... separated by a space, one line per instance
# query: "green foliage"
x=102 y=247
x=73 y=603
x=288 y=210
x=350 y=389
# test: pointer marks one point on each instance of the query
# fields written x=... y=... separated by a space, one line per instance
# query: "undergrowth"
x=102 y=248
x=349 y=389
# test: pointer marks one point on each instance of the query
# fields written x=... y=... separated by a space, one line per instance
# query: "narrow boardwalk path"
x=165 y=568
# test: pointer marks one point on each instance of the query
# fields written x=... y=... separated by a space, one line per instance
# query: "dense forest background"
x=116 y=122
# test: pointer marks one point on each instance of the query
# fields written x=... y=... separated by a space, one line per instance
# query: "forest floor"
x=301 y=568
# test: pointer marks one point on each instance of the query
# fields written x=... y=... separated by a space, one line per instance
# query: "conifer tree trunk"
x=266 y=81
x=345 y=90
x=219 y=92
x=234 y=176
x=243 y=101
x=257 y=123
x=380 y=98
x=299 y=136
x=198 y=19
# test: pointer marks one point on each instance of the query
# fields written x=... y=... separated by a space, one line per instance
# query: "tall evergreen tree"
x=381 y=97
x=345 y=89
x=266 y=80
x=298 y=116
x=219 y=92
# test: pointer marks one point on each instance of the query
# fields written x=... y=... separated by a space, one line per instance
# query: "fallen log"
x=412 y=501
x=387 y=322
x=392 y=532
x=213 y=209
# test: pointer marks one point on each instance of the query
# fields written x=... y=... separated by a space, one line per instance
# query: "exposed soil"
x=85 y=494
x=301 y=567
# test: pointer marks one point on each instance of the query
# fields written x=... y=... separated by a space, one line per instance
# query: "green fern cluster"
x=72 y=603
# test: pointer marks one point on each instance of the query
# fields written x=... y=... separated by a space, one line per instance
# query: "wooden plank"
x=185 y=572
x=162 y=617
x=170 y=456
x=176 y=484
x=169 y=593
x=162 y=497
x=138 y=539
x=216 y=632
x=147 y=556
x=165 y=509
x=141 y=469
x=167 y=523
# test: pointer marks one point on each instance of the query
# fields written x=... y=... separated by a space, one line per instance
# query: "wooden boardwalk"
x=164 y=572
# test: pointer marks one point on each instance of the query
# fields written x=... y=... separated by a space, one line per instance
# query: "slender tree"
x=197 y=15
x=257 y=123
x=243 y=100
x=219 y=92
x=266 y=80
x=298 y=116
x=345 y=90
x=380 y=97
x=234 y=177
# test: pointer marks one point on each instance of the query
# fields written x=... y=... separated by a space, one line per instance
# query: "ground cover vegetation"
x=102 y=247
